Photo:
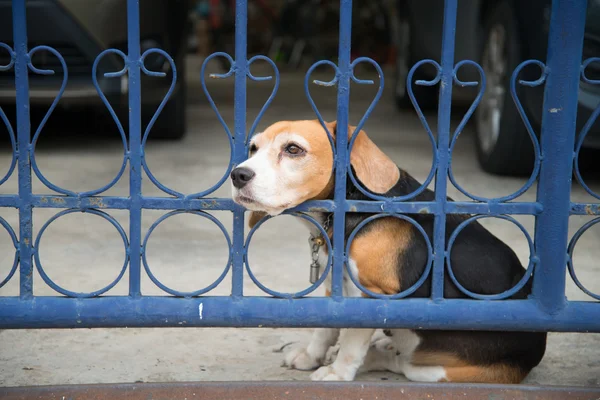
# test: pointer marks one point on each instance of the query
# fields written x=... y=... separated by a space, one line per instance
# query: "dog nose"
x=241 y=176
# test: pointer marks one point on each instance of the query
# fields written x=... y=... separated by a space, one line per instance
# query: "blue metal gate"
x=546 y=309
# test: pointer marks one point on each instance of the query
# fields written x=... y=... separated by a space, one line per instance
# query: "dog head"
x=292 y=162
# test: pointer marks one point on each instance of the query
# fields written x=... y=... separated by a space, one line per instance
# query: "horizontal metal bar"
x=585 y=209
x=459 y=207
x=298 y=391
x=515 y=315
x=418 y=207
x=118 y=203
x=165 y=203
x=9 y=201
x=154 y=203
x=124 y=203
x=316 y=206
x=456 y=207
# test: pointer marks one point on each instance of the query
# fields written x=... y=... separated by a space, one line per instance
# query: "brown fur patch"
x=373 y=167
x=255 y=217
x=458 y=370
x=427 y=358
x=499 y=373
x=376 y=253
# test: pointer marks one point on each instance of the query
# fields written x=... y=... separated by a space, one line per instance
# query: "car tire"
x=426 y=96
x=171 y=123
x=502 y=142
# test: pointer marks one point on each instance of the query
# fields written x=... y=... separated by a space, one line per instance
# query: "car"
x=80 y=31
x=499 y=35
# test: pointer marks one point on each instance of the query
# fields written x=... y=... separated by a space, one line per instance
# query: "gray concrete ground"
x=83 y=252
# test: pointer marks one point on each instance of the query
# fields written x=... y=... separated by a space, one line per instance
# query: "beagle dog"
x=292 y=162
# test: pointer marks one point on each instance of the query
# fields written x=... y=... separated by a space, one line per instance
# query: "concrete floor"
x=83 y=252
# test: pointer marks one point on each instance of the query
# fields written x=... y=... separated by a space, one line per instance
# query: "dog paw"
x=384 y=344
x=300 y=359
x=327 y=373
x=331 y=355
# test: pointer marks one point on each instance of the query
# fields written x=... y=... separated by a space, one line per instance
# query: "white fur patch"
x=424 y=374
x=277 y=179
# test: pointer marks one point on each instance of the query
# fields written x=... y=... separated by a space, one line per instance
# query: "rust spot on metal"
x=424 y=210
x=353 y=209
x=44 y=200
x=297 y=391
x=26 y=241
x=589 y=210
x=209 y=204
x=57 y=200
x=97 y=202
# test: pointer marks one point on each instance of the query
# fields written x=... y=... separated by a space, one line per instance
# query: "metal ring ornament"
x=60 y=289
x=471 y=110
x=114 y=117
x=260 y=79
x=233 y=69
x=15 y=241
x=571 y=250
x=332 y=82
x=411 y=73
x=466 y=118
x=301 y=293
x=584 y=66
x=160 y=75
x=12 y=54
x=116 y=74
x=161 y=106
x=4 y=118
x=40 y=127
x=533 y=260
x=178 y=292
x=534 y=140
x=586 y=128
x=428 y=265
x=411 y=95
x=353 y=65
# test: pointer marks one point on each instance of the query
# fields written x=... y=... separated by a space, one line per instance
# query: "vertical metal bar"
x=23 y=140
x=343 y=99
x=135 y=147
x=565 y=44
x=239 y=153
x=441 y=178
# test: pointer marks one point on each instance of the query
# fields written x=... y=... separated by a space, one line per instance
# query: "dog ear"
x=255 y=216
x=373 y=168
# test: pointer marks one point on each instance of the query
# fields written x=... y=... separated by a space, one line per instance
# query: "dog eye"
x=293 y=149
x=253 y=149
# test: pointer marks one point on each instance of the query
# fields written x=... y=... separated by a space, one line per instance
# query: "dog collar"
x=315 y=243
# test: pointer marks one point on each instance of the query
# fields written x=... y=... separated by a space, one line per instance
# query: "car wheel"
x=503 y=144
x=426 y=96
x=171 y=123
